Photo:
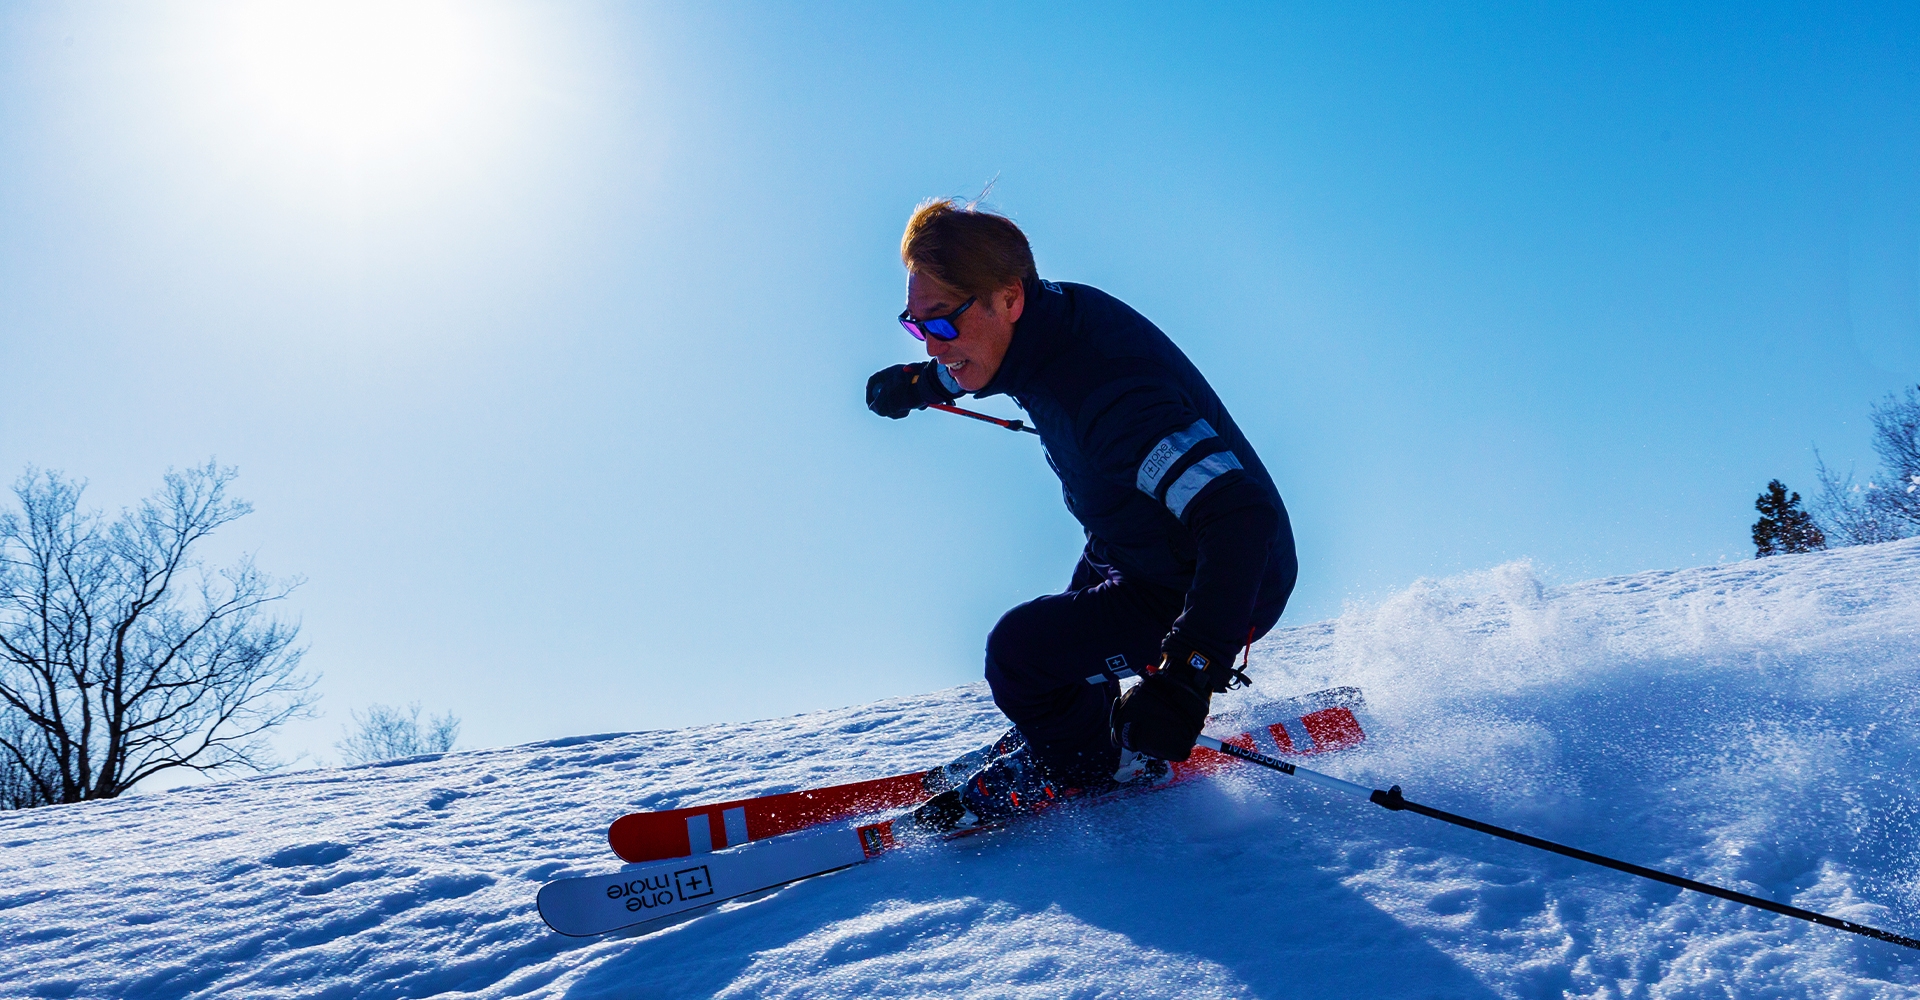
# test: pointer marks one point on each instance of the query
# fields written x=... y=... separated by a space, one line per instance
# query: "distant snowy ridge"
x=1753 y=724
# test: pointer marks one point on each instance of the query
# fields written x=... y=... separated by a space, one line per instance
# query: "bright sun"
x=354 y=75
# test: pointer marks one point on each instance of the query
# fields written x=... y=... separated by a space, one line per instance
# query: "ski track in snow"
x=1752 y=724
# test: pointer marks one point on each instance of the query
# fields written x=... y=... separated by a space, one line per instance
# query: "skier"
x=1189 y=553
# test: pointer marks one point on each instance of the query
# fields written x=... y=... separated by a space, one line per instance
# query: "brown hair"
x=972 y=251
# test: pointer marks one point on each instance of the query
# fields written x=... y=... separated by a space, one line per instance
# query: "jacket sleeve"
x=1234 y=525
x=1148 y=436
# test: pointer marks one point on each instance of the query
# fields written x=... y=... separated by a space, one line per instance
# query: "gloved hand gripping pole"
x=1393 y=800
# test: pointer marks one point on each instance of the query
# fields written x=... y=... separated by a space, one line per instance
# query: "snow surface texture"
x=1751 y=724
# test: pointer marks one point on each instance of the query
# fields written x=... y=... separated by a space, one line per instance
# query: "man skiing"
x=1189 y=553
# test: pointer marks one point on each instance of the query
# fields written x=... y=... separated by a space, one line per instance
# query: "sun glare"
x=354 y=75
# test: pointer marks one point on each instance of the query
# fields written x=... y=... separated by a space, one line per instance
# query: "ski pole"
x=1012 y=425
x=1392 y=799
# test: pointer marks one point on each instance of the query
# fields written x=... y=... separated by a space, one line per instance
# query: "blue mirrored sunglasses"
x=939 y=327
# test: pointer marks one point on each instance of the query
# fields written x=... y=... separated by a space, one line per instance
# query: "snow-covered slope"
x=1751 y=724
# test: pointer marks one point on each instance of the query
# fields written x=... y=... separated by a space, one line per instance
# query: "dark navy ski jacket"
x=1168 y=489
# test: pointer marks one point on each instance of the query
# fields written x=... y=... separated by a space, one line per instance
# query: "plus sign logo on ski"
x=693 y=883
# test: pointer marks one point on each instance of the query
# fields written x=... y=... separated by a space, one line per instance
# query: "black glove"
x=901 y=389
x=1162 y=715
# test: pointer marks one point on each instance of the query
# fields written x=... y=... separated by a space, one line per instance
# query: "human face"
x=973 y=357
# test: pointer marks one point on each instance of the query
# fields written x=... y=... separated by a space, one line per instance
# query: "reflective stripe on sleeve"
x=1154 y=467
x=1192 y=481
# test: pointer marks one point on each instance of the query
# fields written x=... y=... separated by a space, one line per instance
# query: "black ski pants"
x=1055 y=663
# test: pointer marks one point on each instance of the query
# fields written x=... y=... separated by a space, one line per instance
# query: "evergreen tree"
x=1783 y=526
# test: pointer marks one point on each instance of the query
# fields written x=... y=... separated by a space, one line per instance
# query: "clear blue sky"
x=538 y=331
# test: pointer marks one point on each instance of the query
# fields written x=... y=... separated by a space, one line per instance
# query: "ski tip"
x=1308 y=725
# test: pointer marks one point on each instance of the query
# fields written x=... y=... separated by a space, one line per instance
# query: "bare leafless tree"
x=1896 y=439
x=1887 y=505
x=1853 y=513
x=17 y=787
x=387 y=733
x=121 y=657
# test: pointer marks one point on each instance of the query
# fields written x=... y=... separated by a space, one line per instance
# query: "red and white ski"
x=1322 y=722
x=1316 y=723
x=678 y=833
